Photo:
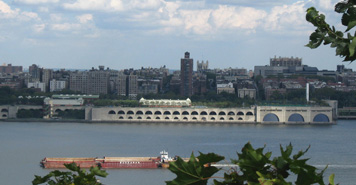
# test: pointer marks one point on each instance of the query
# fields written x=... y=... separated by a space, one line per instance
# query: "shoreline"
x=162 y=121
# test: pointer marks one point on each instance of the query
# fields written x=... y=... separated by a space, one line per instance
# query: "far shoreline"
x=30 y=120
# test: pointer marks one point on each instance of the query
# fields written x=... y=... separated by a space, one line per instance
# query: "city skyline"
x=152 y=33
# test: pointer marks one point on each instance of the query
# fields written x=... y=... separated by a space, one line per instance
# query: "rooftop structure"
x=285 y=61
x=74 y=96
x=166 y=103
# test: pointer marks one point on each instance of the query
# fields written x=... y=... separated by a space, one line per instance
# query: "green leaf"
x=331 y=179
x=192 y=172
x=72 y=166
x=301 y=153
x=98 y=172
x=341 y=7
x=350 y=25
x=209 y=158
x=352 y=47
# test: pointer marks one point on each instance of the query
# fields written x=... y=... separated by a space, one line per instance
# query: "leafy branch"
x=325 y=34
x=255 y=167
x=80 y=177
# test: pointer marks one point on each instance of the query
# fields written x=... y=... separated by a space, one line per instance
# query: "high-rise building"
x=9 y=69
x=121 y=85
x=186 y=75
x=132 y=88
x=35 y=72
x=57 y=85
x=90 y=82
x=47 y=76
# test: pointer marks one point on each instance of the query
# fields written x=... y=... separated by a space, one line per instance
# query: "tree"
x=326 y=34
x=255 y=167
x=80 y=177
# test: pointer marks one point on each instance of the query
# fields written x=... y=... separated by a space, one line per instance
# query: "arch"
x=203 y=113
x=240 y=119
x=59 y=110
x=185 y=113
x=148 y=113
x=158 y=117
x=121 y=117
x=130 y=117
x=296 y=118
x=231 y=118
x=110 y=112
x=4 y=116
x=139 y=112
x=194 y=113
x=240 y=113
x=139 y=117
x=176 y=118
x=212 y=113
x=167 y=113
x=249 y=113
x=212 y=118
x=158 y=113
x=270 y=118
x=321 y=118
x=203 y=118
x=121 y=112
x=176 y=113
x=148 y=117
x=166 y=118
x=222 y=113
x=4 y=110
x=185 y=118
x=194 y=118
x=231 y=113
x=130 y=112
x=222 y=118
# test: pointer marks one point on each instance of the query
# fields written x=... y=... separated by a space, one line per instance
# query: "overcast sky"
x=123 y=34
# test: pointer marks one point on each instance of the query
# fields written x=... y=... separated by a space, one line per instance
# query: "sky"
x=121 y=34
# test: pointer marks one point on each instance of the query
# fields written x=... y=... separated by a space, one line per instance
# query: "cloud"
x=55 y=17
x=229 y=17
x=85 y=18
x=65 y=27
x=286 y=17
x=36 y=1
x=39 y=27
x=102 y=5
x=6 y=11
x=326 y=4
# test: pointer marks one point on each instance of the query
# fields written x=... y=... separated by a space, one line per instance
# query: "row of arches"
x=4 y=113
x=178 y=119
x=202 y=113
x=295 y=118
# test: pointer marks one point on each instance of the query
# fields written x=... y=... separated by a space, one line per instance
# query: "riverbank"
x=165 y=122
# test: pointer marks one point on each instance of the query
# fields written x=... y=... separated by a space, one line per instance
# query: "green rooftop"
x=74 y=96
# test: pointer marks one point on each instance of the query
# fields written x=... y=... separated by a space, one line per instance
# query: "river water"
x=23 y=145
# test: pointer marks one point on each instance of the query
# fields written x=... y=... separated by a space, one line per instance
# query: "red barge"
x=110 y=162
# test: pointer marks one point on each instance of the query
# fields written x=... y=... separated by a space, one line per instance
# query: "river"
x=23 y=145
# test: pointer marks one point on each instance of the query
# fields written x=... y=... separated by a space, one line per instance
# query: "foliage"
x=255 y=167
x=72 y=114
x=31 y=113
x=79 y=177
x=108 y=102
x=326 y=34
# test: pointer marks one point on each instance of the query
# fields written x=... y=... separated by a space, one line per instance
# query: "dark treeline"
x=10 y=96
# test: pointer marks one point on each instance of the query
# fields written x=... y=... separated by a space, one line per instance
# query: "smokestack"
x=307 y=92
